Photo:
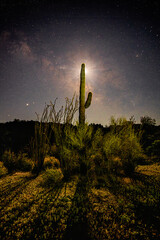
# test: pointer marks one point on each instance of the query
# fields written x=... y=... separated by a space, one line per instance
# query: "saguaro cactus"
x=82 y=103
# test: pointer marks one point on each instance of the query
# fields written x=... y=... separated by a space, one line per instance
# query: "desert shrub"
x=75 y=146
x=64 y=151
x=124 y=144
x=69 y=160
x=39 y=144
x=146 y=120
x=15 y=162
x=23 y=163
x=9 y=160
x=80 y=141
x=154 y=149
x=51 y=162
x=3 y=169
x=61 y=149
x=50 y=124
x=52 y=177
x=84 y=142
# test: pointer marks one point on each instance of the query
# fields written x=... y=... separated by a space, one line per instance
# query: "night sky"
x=43 y=44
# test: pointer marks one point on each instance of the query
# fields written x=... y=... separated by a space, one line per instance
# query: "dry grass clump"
x=3 y=169
x=150 y=170
x=51 y=162
x=52 y=177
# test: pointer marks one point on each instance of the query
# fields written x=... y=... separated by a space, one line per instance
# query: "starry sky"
x=43 y=44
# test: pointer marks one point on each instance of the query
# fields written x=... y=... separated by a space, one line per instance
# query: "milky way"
x=43 y=43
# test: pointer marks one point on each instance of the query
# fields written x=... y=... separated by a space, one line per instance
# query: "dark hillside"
x=15 y=135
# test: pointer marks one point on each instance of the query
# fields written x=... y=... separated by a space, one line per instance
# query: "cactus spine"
x=82 y=103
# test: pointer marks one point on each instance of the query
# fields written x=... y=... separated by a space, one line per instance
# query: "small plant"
x=52 y=177
x=23 y=163
x=3 y=169
x=154 y=149
x=9 y=160
x=51 y=162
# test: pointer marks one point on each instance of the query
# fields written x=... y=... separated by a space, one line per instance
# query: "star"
x=41 y=56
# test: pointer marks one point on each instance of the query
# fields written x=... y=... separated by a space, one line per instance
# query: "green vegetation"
x=61 y=127
x=154 y=149
x=13 y=162
x=9 y=160
x=81 y=181
x=49 y=124
x=91 y=185
x=39 y=144
x=52 y=177
x=3 y=169
x=122 y=146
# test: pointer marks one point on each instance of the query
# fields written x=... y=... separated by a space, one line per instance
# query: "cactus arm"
x=89 y=99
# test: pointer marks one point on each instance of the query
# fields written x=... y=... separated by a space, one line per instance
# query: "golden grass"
x=150 y=170
x=27 y=207
x=30 y=210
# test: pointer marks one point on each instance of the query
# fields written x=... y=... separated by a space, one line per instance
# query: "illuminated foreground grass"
x=30 y=211
x=113 y=207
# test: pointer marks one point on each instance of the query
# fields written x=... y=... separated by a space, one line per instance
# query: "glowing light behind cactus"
x=40 y=58
x=89 y=70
